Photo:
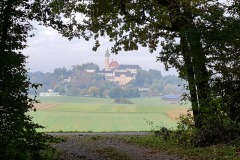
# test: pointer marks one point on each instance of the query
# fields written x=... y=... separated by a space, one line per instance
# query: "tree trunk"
x=197 y=74
x=190 y=76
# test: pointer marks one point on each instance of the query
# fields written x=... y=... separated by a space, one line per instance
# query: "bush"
x=216 y=128
x=122 y=101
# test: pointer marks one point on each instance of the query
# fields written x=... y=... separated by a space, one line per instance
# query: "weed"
x=113 y=154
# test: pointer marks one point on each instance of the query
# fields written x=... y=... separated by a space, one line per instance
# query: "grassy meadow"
x=103 y=115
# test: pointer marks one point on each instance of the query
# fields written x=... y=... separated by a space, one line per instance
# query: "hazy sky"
x=49 y=50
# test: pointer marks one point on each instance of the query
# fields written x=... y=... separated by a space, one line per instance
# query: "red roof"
x=114 y=64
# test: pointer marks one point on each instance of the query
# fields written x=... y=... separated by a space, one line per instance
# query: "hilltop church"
x=118 y=73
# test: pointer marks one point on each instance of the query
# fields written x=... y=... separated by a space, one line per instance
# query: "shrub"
x=122 y=101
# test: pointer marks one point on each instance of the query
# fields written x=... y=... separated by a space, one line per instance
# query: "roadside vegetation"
x=154 y=143
x=173 y=147
x=185 y=142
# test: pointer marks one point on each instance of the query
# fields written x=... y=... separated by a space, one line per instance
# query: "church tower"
x=107 y=56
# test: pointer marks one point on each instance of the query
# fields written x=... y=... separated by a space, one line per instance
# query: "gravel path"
x=99 y=133
x=88 y=147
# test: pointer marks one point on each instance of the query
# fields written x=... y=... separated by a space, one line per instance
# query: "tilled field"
x=41 y=106
x=176 y=113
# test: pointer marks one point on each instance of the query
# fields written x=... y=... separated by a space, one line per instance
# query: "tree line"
x=78 y=82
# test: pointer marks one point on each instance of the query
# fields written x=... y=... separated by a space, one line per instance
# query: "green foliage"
x=170 y=146
x=57 y=80
x=61 y=90
x=122 y=101
x=112 y=153
x=146 y=78
x=66 y=82
x=18 y=136
x=49 y=154
x=116 y=92
x=217 y=128
x=82 y=81
x=85 y=66
x=46 y=79
x=128 y=92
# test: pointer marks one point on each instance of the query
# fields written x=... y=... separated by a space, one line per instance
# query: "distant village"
x=118 y=73
x=89 y=80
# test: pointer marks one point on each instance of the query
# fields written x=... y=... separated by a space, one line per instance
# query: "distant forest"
x=77 y=81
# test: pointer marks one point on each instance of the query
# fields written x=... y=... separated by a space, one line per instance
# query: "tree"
x=61 y=73
x=131 y=92
x=85 y=66
x=157 y=87
x=141 y=78
x=105 y=88
x=83 y=80
x=93 y=91
x=116 y=92
x=226 y=62
x=172 y=79
x=61 y=90
x=18 y=136
x=145 y=78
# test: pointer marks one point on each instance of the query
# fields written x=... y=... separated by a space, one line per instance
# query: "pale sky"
x=49 y=50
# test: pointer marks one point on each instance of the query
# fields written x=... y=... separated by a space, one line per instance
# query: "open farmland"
x=103 y=115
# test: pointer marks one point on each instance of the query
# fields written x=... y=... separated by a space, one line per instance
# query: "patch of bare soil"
x=176 y=113
x=106 y=148
x=42 y=106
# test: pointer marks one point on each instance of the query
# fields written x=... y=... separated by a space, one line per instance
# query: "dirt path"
x=106 y=148
x=99 y=133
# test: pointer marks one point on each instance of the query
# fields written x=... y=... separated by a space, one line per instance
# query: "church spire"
x=107 y=55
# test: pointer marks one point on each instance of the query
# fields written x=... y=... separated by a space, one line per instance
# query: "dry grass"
x=176 y=113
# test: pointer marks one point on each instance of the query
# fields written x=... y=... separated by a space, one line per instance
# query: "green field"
x=103 y=115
